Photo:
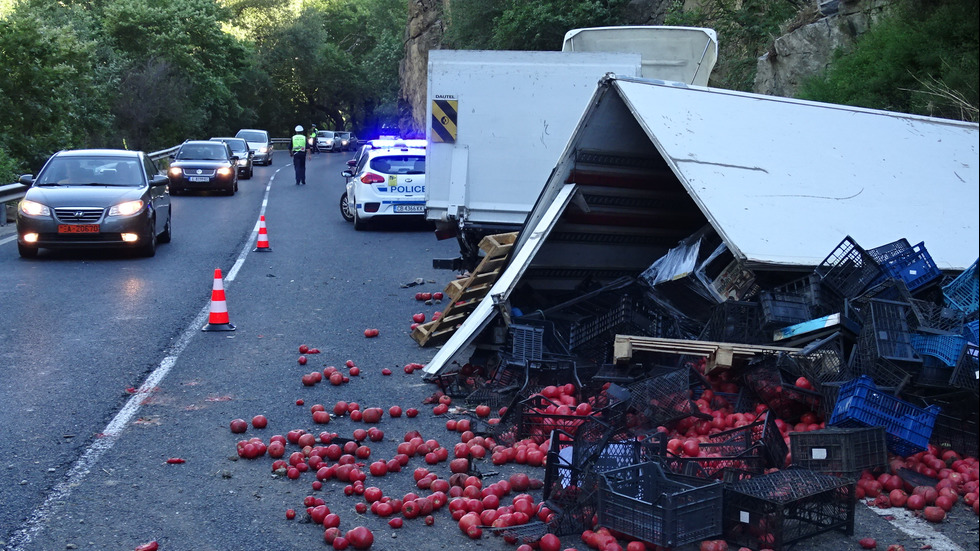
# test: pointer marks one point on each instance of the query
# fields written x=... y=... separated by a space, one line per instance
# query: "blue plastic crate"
x=964 y=291
x=971 y=331
x=912 y=265
x=861 y=404
x=946 y=348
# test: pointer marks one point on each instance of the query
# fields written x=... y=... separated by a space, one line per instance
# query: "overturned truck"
x=692 y=214
x=785 y=265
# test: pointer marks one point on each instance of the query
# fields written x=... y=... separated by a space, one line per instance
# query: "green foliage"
x=745 y=29
x=921 y=60
x=519 y=25
x=49 y=98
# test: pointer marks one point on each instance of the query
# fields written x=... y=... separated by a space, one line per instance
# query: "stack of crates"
x=665 y=509
x=776 y=510
x=845 y=452
x=861 y=404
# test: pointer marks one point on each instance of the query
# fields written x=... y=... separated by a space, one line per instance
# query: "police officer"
x=298 y=150
x=313 y=145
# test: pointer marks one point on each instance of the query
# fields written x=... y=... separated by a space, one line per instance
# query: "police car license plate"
x=410 y=208
x=199 y=178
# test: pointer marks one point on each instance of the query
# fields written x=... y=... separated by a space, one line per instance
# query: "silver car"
x=259 y=143
x=94 y=198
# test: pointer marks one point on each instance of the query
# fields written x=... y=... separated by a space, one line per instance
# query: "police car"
x=388 y=180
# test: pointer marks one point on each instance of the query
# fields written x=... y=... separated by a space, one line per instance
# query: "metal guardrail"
x=16 y=190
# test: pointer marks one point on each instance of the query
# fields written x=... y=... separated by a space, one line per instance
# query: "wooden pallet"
x=463 y=295
x=720 y=355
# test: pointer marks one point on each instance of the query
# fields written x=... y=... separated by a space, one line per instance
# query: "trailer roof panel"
x=783 y=180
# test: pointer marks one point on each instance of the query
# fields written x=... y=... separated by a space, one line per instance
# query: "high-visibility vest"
x=299 y=143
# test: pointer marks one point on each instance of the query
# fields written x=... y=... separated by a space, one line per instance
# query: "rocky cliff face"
x=808 y=48
x=424 y=33
x=805 y=49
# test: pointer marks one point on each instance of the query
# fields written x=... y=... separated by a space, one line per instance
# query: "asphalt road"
x=85 y=459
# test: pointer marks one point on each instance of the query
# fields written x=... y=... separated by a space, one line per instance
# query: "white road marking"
x=920 y=530
x=6 y=240
x=58 y=495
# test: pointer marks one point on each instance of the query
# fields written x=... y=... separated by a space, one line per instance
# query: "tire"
x=26 y=251
x=150 y=248
x=166 y=236
x=251 y=169
x=345 y=208
x=359 y=225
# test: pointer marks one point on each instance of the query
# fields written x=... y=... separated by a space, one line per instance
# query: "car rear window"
x=399 y=164
x=252 y=136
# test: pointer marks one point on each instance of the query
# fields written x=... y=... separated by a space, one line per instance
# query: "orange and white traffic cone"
x=262 y=244
x=218 y=318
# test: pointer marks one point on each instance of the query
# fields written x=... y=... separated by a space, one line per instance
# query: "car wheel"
x=150 y=248
x=235 y=189
x=345 y=210
x=359 y=225
x=167 y=234
x=26 y=251
x=251 y=169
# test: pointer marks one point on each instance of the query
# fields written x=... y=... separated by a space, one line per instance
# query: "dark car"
x=239 y=148
x=203 y=165
x=94 y=198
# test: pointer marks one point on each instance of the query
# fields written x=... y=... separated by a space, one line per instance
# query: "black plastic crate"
x=670 y=510
x=819 y=301
x=886 y=331
x=571 y=473
x=784 y=507
x=772 y=382
x=782 y=309
x=751 y=448
x=735 y=321
x=934 y=373
x=957 y=433
x=664 y=398
x=848 y=269
x=533 y=419
x=966 y=374
x=936 y=318
x=838 y=451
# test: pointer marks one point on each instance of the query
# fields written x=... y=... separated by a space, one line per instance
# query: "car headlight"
x=175 y=172
x=224 y=172
x=32 y=208
x=126 y=209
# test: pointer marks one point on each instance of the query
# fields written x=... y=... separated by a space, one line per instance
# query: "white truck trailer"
x=498 y=120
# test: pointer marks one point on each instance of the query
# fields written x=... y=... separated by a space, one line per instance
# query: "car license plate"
x=199 y=179
x=409 y=208
x=78 y=228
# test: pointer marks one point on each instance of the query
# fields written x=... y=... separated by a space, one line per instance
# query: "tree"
x=49 y=96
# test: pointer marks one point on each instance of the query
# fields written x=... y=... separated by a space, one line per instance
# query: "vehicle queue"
x=109 y=198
